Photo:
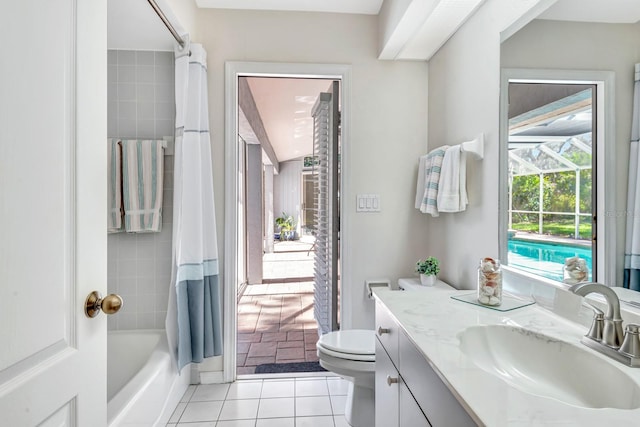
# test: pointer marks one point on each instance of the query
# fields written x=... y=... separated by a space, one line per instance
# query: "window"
x=557 y=192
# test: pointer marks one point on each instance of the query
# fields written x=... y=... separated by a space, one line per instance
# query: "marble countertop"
x=432 y=320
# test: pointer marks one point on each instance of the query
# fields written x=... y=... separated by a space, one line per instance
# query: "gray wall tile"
x=145 y=57
x=145 y=74
x=126 y=91
x=145 y=92
x=112 y=57
x=141 y=105
x=126 y=57
x=146 y=110
x=126 y=73
x=164 y=58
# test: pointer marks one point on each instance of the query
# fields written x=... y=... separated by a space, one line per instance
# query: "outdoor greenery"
x=558 y=196
x=285 y=222
x=564 y=228
x=287 y=227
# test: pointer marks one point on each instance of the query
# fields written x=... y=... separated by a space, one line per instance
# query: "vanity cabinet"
x=408 y=391
x=395 y=405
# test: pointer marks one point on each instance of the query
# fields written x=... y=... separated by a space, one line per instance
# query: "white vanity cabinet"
x=395 y=405
x=408 y=391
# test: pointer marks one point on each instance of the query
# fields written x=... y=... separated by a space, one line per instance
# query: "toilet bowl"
x=351 y=354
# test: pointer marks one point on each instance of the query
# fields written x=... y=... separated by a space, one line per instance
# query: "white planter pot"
x=428 y=280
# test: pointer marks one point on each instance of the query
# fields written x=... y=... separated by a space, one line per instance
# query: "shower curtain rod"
x=166 y=22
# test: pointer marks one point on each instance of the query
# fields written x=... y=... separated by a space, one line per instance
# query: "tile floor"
x=276 y=327
x=275 y=319
x=279 y=402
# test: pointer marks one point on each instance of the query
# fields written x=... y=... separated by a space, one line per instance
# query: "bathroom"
x=457 y=89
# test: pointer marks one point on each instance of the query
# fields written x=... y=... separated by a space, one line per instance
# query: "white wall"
x=182 y=14
x=287 y=191
x=589 y=46
x=388 y=128
x=464 y=84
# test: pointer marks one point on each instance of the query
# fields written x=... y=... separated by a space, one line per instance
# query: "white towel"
x=142 y=173
x=452 y=189
x=432 y=180
x=114 y=186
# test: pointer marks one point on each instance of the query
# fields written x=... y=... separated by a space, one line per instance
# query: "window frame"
x=604 y=185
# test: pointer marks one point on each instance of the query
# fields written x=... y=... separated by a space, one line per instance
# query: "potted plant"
x=287 y=226
x=428 y=269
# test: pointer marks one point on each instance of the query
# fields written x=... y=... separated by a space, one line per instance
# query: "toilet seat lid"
x=353 y=341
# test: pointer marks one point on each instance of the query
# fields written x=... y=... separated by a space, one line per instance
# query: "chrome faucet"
x=612 y=334
x=606 y=335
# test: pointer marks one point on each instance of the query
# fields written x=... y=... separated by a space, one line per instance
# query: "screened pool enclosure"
x=551 y=192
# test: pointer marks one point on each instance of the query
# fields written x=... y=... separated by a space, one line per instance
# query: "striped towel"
x=432 y=178
x=142 y=172
x=114 y=186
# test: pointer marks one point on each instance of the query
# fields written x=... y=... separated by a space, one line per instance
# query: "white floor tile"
x=278 y=389
x=205 y=424
x=312 y=388
x=201 y=411
x=312 y=376
x=337 y=404
x=207 y=392
x=177 y=413
x=276 y=422
x=239 y=409
x=314 y=422
x=188 y=394
x=312 y=406
x=245 y=390
x=282 y=407
x=340 y=421
x=235 y=423
x=338 y=386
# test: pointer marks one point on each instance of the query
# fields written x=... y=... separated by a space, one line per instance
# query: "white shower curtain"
x=194 y=317
x=632 y=244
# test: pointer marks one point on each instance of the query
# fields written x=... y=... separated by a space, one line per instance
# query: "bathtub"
x=143 y=387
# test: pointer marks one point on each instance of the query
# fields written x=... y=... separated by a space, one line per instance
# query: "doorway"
x=273 y=308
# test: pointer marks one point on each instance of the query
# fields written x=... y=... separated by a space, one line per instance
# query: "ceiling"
x=285 y=109
x=366 y=7
x=609 y=11
x=132 y=24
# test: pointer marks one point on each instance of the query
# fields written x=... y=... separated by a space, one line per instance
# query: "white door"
x=52 y=211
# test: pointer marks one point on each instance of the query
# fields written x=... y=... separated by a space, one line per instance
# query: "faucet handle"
x=631 y=343
x=595 y=332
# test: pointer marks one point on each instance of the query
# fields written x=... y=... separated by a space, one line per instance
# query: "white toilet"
x=351 y=354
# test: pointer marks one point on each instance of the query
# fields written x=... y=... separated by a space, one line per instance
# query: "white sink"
x=538 y=364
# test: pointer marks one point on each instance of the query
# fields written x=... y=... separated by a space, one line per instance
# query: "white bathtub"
x=142 y=386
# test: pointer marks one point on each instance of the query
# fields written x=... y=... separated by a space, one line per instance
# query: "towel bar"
x=475 y=147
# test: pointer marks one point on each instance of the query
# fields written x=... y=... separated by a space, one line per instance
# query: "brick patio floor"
x=275 y=320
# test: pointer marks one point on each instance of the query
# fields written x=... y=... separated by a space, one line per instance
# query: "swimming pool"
x=544 y=259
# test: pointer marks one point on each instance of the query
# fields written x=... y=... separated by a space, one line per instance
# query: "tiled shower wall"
x=141 y=105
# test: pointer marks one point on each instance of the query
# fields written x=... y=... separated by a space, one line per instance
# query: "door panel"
x=326 y=148
x=52 y=212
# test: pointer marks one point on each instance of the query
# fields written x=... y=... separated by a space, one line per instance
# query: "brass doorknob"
x=109 y=304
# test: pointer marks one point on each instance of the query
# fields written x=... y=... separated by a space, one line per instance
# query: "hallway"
x=275 y=319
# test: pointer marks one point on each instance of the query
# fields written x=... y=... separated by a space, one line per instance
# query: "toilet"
x=351 y=354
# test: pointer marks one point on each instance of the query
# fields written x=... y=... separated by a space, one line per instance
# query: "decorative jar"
x=490 y=282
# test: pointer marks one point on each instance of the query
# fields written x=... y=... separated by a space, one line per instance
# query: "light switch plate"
x=368 y=203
